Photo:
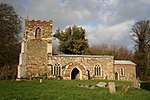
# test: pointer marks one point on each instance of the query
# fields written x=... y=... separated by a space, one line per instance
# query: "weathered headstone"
x=101 y=84
x=112 y=87
x=136 y=83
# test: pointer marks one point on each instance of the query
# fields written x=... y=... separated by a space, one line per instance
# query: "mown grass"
x=66 y=90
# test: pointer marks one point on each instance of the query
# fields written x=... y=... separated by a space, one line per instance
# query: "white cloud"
x=106 y=21
x=118 y=34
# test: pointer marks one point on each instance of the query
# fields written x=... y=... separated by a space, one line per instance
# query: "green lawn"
x=66 y=90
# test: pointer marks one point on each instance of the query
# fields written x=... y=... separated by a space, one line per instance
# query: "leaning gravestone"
x=112 y=88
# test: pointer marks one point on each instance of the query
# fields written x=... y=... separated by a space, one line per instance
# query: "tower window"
x=38 y=33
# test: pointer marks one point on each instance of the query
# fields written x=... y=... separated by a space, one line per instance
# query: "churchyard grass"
x=67 y=90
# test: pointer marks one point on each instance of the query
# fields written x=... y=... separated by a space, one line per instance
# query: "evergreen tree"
x=72 y=40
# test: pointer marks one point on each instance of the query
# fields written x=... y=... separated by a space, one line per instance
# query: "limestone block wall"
x=129 y=71
x=36 y=58
x=84 y=63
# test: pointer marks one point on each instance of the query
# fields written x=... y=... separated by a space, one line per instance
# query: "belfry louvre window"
x=57 y=69
x=97 y=70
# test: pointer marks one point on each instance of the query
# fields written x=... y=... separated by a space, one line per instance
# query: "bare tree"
x=141 y=36
x=118 y=52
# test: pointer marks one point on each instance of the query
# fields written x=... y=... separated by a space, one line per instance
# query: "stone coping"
x=87 y=56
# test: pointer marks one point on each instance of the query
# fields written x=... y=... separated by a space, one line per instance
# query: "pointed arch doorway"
x=75 y=70
x=116 y=76
x=75 y=74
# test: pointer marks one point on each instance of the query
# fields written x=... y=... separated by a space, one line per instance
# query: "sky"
x=105 y=21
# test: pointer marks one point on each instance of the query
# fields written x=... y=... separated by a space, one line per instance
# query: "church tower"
x=35 y=49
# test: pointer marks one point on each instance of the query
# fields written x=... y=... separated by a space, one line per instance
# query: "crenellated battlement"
x=37 y=29
x=32 y=23
x=42 y=23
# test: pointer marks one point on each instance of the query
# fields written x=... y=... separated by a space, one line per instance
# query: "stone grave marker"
x=101 y=84
x=136 y=83
x=112 y=87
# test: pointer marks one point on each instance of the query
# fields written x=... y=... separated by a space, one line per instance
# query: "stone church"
x=36 y=59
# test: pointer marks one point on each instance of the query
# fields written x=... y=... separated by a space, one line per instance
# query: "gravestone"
x=112 y=87
x=136 y=83
x=101 y=84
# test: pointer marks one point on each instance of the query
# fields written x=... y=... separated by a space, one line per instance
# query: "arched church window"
x=57 y=69
x=122 y=71
x=38 y=33
x=97 y=70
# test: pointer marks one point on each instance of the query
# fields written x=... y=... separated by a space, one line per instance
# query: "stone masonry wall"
x=36 y=58
x=32 y=25
x=87 y=62
x=39 y=45
x=129 y=71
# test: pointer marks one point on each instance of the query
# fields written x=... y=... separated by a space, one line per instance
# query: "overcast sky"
x=105 y=21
